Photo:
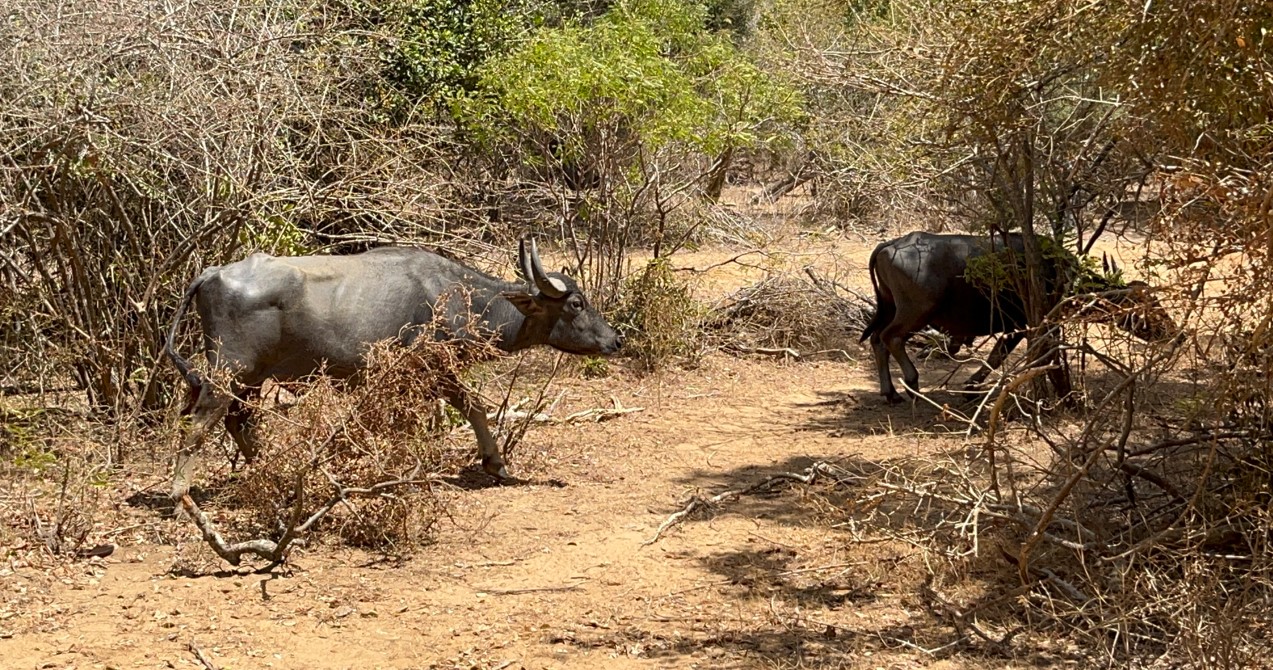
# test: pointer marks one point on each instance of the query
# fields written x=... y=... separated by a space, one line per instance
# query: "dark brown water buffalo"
x=920 y=282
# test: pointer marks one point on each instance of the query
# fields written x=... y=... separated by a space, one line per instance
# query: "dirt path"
x=543 y=576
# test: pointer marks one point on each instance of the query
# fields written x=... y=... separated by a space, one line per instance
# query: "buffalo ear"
x=525 y=303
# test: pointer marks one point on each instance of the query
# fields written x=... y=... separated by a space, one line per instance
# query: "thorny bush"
x=140 y=142
x=384 y=429
x=1137 y=527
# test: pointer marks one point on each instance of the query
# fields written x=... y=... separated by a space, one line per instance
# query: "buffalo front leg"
x=473 y=410
x=209 y=406
x=998 y=355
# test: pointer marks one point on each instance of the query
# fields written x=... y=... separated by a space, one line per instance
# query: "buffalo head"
x=1138 y=311
x=557 y=312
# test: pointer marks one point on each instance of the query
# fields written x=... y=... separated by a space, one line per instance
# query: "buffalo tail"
x=877 y=321
x=187 y=371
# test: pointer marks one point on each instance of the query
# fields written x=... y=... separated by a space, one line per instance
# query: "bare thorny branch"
x=425 y=366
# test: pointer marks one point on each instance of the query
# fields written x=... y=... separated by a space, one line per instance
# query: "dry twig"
x=696 y=502
x=200 y=656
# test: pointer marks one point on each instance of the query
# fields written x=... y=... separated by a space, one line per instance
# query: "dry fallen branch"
x=200 y=656
x=785 y=353
x=963 y=620
x=593 y=415
x=533 y=589
x=276 y=551
x=599 y=414
x=696 y=502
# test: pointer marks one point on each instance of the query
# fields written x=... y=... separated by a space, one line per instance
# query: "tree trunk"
x=1044 y=338
x=716 y=178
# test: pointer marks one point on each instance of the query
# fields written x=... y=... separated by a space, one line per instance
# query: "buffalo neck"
x=497 y=317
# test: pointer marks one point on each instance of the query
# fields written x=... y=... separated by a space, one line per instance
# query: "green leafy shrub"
x=594 y=367
x=660 y=317
x=645 y=100
x=650 y=67
x=438 y=46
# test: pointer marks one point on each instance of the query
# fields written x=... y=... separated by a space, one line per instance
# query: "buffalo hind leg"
x=240 y=423
x=472 y=409
x=998 y=355
x=209 y=406
x=881 y=367
x=894 y=340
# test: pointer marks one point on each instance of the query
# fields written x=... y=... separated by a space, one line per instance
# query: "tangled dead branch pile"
x=360 y=463
x=790 y=313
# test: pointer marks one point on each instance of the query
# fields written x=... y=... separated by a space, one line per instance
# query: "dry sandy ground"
x=549 y=576
x=554 y=574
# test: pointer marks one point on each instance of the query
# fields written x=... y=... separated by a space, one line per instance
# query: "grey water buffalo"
x=920 y=281
x=287 y=318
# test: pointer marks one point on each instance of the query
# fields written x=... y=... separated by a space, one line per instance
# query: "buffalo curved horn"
x=553 y=288
x=523 y=262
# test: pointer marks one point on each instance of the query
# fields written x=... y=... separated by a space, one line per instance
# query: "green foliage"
x=990 y=272
x=452 y=416
x=437 y=46
x=275 y=235
x=734 y=16
x=22 y=431
x=1066 y=272
x=660 y=317
x=34 y=459
x=594 y=367
x=647 y=68
x=609 y=72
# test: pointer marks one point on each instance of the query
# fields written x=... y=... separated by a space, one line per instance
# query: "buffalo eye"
x=575 y=304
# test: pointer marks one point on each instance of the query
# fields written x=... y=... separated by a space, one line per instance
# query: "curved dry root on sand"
x=696 y=502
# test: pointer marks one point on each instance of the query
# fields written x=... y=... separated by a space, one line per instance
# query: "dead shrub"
x=1138 y=528
x=57 y=503
x=371 y=452
x=788 y=311
x=142 y=142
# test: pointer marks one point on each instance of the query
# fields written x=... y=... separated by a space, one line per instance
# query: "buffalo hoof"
x=893 y=398
x=495 y=469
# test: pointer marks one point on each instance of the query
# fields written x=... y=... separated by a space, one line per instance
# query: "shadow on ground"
x=474 y=479
x=813 y=613
x=826 y=613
